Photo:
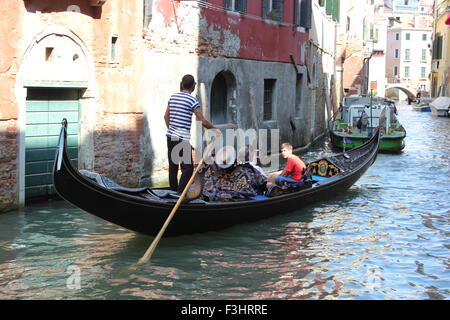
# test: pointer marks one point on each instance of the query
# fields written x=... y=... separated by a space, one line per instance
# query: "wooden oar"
x=148 y=254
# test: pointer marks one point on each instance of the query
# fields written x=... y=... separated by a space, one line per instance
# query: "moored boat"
x=440 y=107
x=359 y=118
x=422 y=105
x=144 y=210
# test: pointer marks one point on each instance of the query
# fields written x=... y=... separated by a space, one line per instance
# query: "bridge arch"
x=409 y=91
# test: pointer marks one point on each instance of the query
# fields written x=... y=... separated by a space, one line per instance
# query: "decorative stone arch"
x=56 y=57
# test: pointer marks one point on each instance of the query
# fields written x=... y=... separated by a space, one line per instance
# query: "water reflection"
x=385 y=238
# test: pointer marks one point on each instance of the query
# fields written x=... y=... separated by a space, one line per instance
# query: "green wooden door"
x=43 y=123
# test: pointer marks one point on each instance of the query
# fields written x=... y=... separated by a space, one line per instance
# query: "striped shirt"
x=181 y=107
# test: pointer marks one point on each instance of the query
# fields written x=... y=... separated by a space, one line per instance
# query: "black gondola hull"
x=147 y=217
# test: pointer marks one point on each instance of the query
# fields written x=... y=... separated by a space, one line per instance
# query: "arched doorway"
x=223 y=99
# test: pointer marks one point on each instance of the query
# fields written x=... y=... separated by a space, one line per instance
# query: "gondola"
x=144 y=210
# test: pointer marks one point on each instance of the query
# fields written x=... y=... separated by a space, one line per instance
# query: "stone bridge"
x=409 y=90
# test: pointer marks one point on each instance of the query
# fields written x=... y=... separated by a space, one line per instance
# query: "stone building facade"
x=440 y=67
x=354 y=47
x=110 y=67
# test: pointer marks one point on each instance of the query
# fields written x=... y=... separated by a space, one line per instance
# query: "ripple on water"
x=387 y=237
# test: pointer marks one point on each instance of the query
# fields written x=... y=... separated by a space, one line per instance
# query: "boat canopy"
x=361 y=103
x=356 y=112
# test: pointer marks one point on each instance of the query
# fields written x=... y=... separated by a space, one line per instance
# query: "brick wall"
x=8 y=164
x=118 y=143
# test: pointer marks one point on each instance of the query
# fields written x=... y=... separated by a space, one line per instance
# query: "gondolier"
x=178 y=118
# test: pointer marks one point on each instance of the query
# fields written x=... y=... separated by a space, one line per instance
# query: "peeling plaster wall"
x=115 y=87
x=190 y=27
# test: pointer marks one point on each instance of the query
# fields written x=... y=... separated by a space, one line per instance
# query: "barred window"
x=269 y=89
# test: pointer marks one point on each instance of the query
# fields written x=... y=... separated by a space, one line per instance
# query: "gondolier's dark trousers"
x=179 y=158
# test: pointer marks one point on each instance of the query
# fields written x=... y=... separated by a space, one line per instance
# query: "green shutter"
x=332 y=9
x=336 y=10
x=439 y=47
x=329 y=7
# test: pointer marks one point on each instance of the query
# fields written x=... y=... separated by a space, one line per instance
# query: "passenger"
x=293 y=171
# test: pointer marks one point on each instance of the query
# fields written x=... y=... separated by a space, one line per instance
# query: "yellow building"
x=440 y=66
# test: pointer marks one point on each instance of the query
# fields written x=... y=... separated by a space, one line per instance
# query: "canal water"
x=387 y=237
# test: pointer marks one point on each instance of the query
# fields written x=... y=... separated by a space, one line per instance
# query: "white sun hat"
x=225 y=157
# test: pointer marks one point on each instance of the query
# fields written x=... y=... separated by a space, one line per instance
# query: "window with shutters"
x=273 y=10
x=332 y=9
x=297 y=12
x=437 y=47
x=407 y=54
x=236 y=5
x=423 y=72
x=406 y=72
x=302 y=13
